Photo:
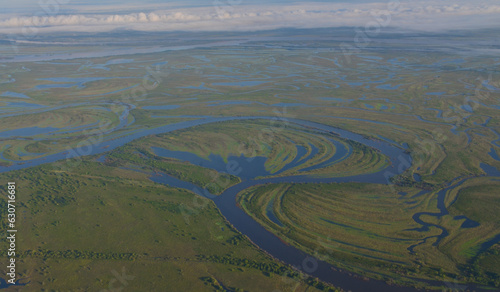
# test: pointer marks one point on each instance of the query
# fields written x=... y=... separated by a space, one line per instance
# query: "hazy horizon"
x=239 y=15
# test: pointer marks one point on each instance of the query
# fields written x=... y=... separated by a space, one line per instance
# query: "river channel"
x=252 y=172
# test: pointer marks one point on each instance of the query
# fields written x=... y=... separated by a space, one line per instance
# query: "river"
x=400 y=160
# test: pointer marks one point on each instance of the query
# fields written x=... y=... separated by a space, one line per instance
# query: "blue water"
x=69 y=82
x=27 y=132
x=314 y=151
x=251 y=169
x=48 y=86
x=241 y=166
x=202 y=87
x=490 y=170
x=111 y=62
x=387 y=140
x=371 y=57
x=24 y=104
x=240 y=83
x=388 y=86
x=450 y=61
x=160 y=63
x=494 y=154
x=119 y=61
x=422 y=192
x=58 y=63
x=26 y=154
x=341 y=153
x=301 y=151
x=467 y=108
x=101 y=158
x=436 y=93
x=441 y=205
x=181 y=116
x=232 y=102
x=489 y=86
x=284 y=104
x=270 y=213
x=468 y=223
x=491 y=242
x=161 y=107
x=425 y=226
x=177 y=183
x=14 y=94
x=4 y=284
x=273 y=245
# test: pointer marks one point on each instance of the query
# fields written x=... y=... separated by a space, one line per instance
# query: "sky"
x=244 y=15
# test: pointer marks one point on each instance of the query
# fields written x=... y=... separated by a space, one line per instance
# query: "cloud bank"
x=233 y=15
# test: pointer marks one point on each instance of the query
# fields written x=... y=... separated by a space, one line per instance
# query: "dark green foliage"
x=407 y=181
x=74 y=254
x=235 y=240
x=267 y=268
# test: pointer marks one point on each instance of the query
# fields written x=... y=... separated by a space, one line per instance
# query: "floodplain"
x=381 y=162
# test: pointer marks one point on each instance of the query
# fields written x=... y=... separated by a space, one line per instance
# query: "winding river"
x=399 y=162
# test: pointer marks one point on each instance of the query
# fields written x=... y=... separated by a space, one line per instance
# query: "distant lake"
x=388 y=86
x=436 y=93
x=26 y=132
x=14 y=94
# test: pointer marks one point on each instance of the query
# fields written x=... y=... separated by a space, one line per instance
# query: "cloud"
x=232 y=15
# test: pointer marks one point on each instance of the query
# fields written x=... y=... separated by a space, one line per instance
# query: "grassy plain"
x=78 y=226
x=368 y=228
x=442 y=105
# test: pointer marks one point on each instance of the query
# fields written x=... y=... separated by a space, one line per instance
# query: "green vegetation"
x=479 y=201
x=277 y=141
x=449 y=143
x=78 y=226
x=128 y=156
x=80 y=219
x=368 y=228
